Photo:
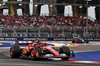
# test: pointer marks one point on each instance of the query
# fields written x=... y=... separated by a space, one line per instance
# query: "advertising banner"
x=45 y=38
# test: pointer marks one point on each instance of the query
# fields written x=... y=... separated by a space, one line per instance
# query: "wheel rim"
x=11 y=52
x=32 y=54
x=37 y=54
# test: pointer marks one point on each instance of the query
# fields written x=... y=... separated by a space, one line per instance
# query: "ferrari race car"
x=40 y=50
x=79 y=40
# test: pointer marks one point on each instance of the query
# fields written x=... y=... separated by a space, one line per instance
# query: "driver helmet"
x=37 y=40
x=75 y=34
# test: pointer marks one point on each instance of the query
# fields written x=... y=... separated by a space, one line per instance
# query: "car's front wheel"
x=33 y=54
x=36 y=52
x=66 y=50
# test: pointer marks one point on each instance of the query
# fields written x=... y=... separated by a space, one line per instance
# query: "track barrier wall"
x=44 y=38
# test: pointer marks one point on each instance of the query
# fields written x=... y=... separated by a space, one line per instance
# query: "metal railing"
x=51 y=31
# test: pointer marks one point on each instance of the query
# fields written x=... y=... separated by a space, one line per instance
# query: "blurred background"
x=49 y=18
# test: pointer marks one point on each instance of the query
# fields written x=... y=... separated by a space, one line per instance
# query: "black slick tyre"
x=66 y=50
x=34 y=52
x=15 y=52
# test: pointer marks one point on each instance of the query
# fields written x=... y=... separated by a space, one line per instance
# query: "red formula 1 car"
x=40 y=50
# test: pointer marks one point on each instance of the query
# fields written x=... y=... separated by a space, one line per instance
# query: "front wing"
x=61 y=56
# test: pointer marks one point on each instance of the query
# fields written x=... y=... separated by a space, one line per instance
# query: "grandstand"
x=52 y=18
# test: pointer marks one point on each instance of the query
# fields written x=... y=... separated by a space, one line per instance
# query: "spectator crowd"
x=20 y=22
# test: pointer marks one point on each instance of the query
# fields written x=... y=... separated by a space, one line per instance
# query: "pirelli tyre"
x=15 y=52
x=36 y=52
x=33 y=54
x=66 y=50
x=73 y=41
x=87 y=41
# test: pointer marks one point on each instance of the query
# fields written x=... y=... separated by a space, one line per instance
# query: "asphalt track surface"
x=5 y=59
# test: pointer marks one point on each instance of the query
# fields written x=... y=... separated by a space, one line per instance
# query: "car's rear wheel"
x=87 y=41
x=15 y=52
x=66 y=50
x=73 y=41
